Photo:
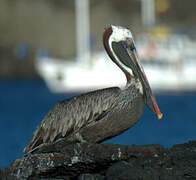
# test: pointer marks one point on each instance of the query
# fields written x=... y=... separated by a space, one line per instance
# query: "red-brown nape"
x=106 y=35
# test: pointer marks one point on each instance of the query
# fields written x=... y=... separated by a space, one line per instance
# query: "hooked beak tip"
x=160 y=115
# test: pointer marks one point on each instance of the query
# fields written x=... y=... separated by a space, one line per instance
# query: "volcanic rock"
x=84 y=161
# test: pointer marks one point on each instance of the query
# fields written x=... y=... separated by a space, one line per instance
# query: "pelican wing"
x=70 y=115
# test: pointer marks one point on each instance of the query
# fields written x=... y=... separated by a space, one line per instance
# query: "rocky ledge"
x=106 y=162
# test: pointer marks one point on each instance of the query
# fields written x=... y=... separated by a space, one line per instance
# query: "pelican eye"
x=130 y=44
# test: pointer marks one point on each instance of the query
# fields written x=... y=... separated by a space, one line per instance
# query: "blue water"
x=23 y=103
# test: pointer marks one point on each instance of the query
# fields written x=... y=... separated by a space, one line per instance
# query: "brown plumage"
x=101 y=114
x=68 y=117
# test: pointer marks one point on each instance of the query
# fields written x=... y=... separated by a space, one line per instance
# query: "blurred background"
x=51 y=50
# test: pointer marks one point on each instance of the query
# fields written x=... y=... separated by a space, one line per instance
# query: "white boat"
x=170 y=67
x=72 y=76
x=170 y=64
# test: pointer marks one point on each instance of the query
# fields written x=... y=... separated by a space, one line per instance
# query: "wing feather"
x=70 y=115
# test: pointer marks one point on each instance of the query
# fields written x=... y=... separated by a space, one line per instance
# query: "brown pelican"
x=101 y=114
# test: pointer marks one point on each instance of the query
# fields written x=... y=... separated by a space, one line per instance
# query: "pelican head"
x=119 y=44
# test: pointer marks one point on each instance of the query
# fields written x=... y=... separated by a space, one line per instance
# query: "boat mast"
x=148 y=13
x=82 y=31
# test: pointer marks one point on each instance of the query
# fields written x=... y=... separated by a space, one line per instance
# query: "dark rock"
x=106 y=161
x=91 y=177
x=1 y=172
x=119 y=170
